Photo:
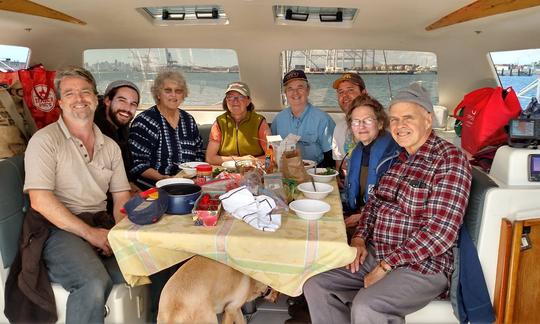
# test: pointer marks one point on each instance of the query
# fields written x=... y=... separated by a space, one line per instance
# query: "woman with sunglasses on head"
x=239 y=133
x=164 y=136
x=374 y=154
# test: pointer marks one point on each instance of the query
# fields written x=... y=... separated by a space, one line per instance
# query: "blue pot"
x=182 y=197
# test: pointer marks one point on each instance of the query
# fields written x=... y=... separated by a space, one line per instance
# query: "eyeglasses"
x=366 y=122
x=233 y=98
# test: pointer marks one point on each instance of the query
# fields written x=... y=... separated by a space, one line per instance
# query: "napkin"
x=254 y=210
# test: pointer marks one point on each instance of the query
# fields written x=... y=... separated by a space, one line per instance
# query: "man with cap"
x=348 y=86
x=407 y=229
x=69 y=168
x=239 y=133
x=115 y=112
x=301 y=118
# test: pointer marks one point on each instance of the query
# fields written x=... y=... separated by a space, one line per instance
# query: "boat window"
x=384 y=71
x=207 y=71
x=13 y=58
x=519 y=70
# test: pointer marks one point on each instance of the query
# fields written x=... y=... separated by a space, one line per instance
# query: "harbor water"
x=207 y=88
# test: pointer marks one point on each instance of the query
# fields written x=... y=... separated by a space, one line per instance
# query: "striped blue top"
x=155 y=144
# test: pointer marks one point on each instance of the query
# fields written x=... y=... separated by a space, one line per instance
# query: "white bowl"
x=169 y=181
x=319 y=177
x=309 y=164
x=189 y=168
x=231 y=165
x=309 y=209
x=323 y=189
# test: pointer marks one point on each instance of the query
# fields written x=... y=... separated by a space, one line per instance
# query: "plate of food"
x=235 y=166
x=322 y=174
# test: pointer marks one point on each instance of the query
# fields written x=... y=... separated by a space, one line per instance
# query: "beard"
x=113 y=114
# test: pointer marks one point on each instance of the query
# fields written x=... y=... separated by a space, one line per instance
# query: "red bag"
x=39 y=95
x=8 y=78
x=485 y=112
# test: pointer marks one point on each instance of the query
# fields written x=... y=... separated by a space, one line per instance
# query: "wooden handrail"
x=503 y=262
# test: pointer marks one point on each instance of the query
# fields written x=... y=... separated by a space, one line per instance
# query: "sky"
x=209 y=57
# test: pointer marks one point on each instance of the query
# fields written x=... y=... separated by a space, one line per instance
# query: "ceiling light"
x=290 y=15
x=214 y=14
x=331 y=17
x=166 y=15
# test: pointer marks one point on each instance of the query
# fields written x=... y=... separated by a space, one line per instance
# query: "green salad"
x=327 y=171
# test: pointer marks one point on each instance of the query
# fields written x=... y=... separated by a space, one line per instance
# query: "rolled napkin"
x=254 y=210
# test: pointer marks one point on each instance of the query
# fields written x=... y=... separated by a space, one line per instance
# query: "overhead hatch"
x=314 y=16
x=185 y=15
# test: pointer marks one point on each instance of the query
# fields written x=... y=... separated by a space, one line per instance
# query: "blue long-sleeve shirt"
x=155 y=144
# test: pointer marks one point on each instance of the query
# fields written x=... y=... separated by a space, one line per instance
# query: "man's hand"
x=134 y=189
x=97 y=237
x=352 y=220
x=361 y=254
x=375 y=275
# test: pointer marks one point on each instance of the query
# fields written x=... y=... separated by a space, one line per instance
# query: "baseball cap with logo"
x=119 y=84
x=147 y=207
x=239 y=87
x=351 y=77
x=294 y=75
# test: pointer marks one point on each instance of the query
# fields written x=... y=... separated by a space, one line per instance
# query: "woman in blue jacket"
x=373 y=155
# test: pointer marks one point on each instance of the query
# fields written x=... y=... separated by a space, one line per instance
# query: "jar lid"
x=204 y=167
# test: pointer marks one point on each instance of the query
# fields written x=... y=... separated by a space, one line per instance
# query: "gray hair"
x=77 y=72
x=170 y=74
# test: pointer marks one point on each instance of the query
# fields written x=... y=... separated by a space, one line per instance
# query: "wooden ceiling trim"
x=480 y=9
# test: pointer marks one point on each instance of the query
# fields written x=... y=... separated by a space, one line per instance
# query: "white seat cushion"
x=438 y=311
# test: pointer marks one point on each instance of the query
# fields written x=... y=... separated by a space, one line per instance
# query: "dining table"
x=283 y=259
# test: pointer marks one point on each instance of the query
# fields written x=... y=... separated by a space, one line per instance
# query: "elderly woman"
x=374 y=154
x=239 y=133
x=164 y=136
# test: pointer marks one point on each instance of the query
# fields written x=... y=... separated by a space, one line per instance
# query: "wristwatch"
x=386 y=268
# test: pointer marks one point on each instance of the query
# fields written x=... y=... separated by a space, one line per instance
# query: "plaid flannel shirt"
x=414 y=214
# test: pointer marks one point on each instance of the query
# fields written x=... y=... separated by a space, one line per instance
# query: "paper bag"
x=292 y=166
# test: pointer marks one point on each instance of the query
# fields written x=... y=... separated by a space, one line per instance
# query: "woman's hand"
x=361 y=254
x=352 y=220
x=245 y=157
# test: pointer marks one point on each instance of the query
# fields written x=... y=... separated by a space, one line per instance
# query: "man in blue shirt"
x=301 y=118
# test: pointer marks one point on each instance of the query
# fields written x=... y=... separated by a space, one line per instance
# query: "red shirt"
x=414 y=214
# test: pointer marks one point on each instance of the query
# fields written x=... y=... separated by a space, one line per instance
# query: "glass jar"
x=204 y=174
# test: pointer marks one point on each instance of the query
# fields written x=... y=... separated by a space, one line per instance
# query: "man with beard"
x=115 y=112
x=69 y=168
x=348 y=86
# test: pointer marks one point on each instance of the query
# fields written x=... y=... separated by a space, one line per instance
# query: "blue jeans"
x=89 y=277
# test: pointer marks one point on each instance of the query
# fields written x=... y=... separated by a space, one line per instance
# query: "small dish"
x=309 y=164
x=189 y=168
x=309 y=209
x=234 y=166
x=229 y=166
x=323 y=189
x=168 y=181
x=321 y=177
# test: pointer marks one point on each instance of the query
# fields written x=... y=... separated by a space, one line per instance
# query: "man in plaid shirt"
x=407 y=229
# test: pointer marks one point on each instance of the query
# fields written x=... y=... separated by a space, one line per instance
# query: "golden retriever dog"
x=202 y=288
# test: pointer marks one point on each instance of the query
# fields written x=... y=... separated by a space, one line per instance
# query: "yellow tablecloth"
x=284 y=259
